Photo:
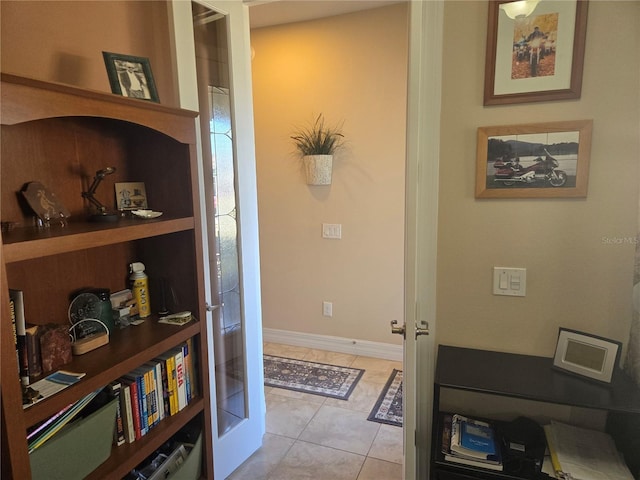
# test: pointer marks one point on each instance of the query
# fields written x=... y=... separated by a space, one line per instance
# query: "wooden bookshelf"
x=60 y=136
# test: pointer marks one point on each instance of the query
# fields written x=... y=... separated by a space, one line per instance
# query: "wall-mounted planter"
x=318 y=169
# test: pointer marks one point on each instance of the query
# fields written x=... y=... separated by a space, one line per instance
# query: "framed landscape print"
x=538 y=57
x=541 y=160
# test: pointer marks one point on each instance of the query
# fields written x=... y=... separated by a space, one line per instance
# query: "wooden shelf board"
x=126 y=457
x=30 y=243
x=128 y=348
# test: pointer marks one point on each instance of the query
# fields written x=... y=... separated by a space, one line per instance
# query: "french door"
x=214 y=77
x=421 y=220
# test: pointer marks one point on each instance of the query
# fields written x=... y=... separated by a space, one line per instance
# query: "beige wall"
x=63 y=41
x=352 y=68
x=578 y=252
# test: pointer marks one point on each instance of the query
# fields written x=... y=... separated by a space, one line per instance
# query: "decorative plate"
x=146 y=213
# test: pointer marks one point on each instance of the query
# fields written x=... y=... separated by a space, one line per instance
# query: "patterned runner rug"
x=310 y=377
x=388 y=408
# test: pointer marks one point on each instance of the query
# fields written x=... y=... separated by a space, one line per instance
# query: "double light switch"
x=509 y=281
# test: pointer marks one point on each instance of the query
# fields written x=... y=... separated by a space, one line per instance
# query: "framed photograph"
x=131 y=196
x=537 y=57
x=540 y=160
x=130 y=76
x=586 y=355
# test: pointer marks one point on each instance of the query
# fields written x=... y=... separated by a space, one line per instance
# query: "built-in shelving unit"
x=60 y=136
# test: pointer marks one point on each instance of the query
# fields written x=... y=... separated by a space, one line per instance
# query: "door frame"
x=252 y=429
x=426 y=25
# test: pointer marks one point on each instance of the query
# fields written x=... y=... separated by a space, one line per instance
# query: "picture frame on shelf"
x=130 y=76
x=131 y=196
x=539 y=160
x=586 y=355
x=538 y=57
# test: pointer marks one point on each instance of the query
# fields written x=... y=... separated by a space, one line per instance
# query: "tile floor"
x=319 y=438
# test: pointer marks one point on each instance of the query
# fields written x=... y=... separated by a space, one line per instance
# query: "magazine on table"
x=451 y=436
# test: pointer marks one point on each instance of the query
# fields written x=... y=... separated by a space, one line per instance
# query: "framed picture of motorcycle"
x=541 y=160
x=535 y=50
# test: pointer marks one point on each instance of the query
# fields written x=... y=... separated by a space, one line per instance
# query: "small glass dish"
x=146 y=213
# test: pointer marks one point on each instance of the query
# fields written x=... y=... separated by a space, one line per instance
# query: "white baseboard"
x=351 y=346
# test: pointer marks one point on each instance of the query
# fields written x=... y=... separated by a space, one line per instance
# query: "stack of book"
x=471 y=442
x=155 y=390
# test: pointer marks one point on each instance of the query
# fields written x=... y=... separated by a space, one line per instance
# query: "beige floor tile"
x=306 y=461
x=376 y=370
x=265 y=460
x=288 y=416
x=388 y=444
x=309 y=397
x=332 y=358
x=362 y=399
x=288 y=351
x=342 y=429
x=374 y=469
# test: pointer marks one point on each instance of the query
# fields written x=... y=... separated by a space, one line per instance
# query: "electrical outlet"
x=327 y=309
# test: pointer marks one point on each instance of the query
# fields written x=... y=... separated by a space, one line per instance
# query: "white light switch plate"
x=332 y=230
x=510 y=281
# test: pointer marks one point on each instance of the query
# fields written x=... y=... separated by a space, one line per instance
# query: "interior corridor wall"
x=353 y=69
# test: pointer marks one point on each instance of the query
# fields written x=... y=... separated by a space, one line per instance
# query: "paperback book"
x=452 y=433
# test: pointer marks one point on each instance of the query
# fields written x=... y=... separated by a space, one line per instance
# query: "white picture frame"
x=586 y=355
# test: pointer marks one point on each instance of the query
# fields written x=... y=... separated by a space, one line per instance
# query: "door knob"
x=396 y=329
x=423 y=329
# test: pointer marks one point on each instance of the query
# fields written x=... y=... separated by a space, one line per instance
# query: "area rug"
x=310 y=377
x=388 y=408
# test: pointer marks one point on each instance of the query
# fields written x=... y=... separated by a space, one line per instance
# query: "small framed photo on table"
x=130 y=76
x=586 y=355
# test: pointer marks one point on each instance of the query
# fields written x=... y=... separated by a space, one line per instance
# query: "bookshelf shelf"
x=127 y=350
x=529 y=377
x=31 y=243
x=61 y=136
x=127 y=456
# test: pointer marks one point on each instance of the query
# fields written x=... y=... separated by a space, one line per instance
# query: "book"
x=127 y=413
x=451 y=456
x=193 y=362
x=139 y=406
x=159 y=388
x=155 y=393
x=473 y=438
x=33 y=350
x=186 y=355
x=21 y=336
x=52 y=384
x=115 y=389
x=12 y=312
x=61 y=420
x=181 y=384
x=135 y=406
x=165 y=386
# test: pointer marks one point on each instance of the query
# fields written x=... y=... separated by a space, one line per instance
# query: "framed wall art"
x=130 y=76
x=540 y=160
x=537 y=57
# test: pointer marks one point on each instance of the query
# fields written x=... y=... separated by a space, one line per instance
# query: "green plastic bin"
x=78 y=449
